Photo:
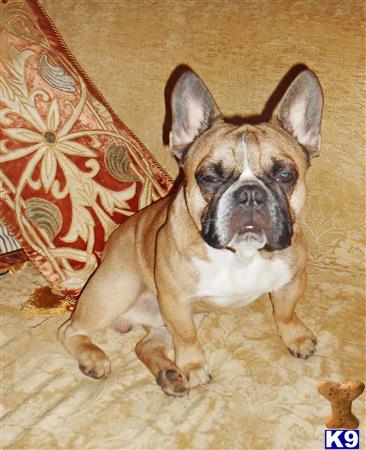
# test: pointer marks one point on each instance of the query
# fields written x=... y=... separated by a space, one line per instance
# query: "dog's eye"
x=285 y=177
x=212 y=175
x=283 y=174
x=209 y=179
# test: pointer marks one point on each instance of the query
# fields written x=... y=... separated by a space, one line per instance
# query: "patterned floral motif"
x=70 y=170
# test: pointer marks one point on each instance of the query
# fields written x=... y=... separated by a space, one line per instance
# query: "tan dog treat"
x=341 y=396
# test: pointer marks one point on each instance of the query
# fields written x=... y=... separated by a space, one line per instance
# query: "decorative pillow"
x=71 y=170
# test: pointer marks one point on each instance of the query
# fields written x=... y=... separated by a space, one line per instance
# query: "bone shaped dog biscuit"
x=341 y=396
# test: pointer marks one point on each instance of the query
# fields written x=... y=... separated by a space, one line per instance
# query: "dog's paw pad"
x=303 y=347
x=173 y=382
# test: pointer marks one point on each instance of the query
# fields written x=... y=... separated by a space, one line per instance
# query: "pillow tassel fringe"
x=43 y=302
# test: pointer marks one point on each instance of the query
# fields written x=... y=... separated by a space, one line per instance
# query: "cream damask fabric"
x=260 y=397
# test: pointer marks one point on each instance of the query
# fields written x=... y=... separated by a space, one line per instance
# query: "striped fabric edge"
x=7 y=242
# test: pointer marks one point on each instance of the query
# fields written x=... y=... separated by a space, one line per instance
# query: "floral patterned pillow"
x=71 y=170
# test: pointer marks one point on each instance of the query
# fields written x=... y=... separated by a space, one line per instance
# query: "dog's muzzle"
x=253 y=214
x=248 y=215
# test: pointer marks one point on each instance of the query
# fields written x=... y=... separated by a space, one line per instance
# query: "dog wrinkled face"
x=245 y=184
x=247 y=203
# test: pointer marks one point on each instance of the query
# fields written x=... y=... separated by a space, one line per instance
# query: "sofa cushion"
x=71 y=169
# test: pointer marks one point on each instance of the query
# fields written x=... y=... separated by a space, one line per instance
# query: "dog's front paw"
x=303 y=348
x=301 y=342
x=198 y=374
x=94 y=363
x=173 y=382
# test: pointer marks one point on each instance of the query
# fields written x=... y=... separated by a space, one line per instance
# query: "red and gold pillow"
x=71 y=170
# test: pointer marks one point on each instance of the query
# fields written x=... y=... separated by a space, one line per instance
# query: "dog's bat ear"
x=299 y=111
x=193 y=112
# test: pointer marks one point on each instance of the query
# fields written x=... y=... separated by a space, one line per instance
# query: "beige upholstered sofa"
x=260 y=397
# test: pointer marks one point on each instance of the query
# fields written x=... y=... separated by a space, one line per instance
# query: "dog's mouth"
x=240 y=231
x=247 y=241
x=246 y=245
x=248 y=229
x=268 y=227
x=253 y=239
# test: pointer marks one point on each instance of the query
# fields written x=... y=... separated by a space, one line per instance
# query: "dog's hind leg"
x=153 y=352
x=110 y=292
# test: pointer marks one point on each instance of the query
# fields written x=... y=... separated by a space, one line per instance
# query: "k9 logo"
x=341 y=439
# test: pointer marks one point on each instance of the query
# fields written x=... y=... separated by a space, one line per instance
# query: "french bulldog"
x=226 y=235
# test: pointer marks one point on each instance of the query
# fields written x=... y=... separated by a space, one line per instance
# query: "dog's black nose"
x=251 y=194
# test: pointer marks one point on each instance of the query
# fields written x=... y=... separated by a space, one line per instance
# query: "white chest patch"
x=230 y=281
